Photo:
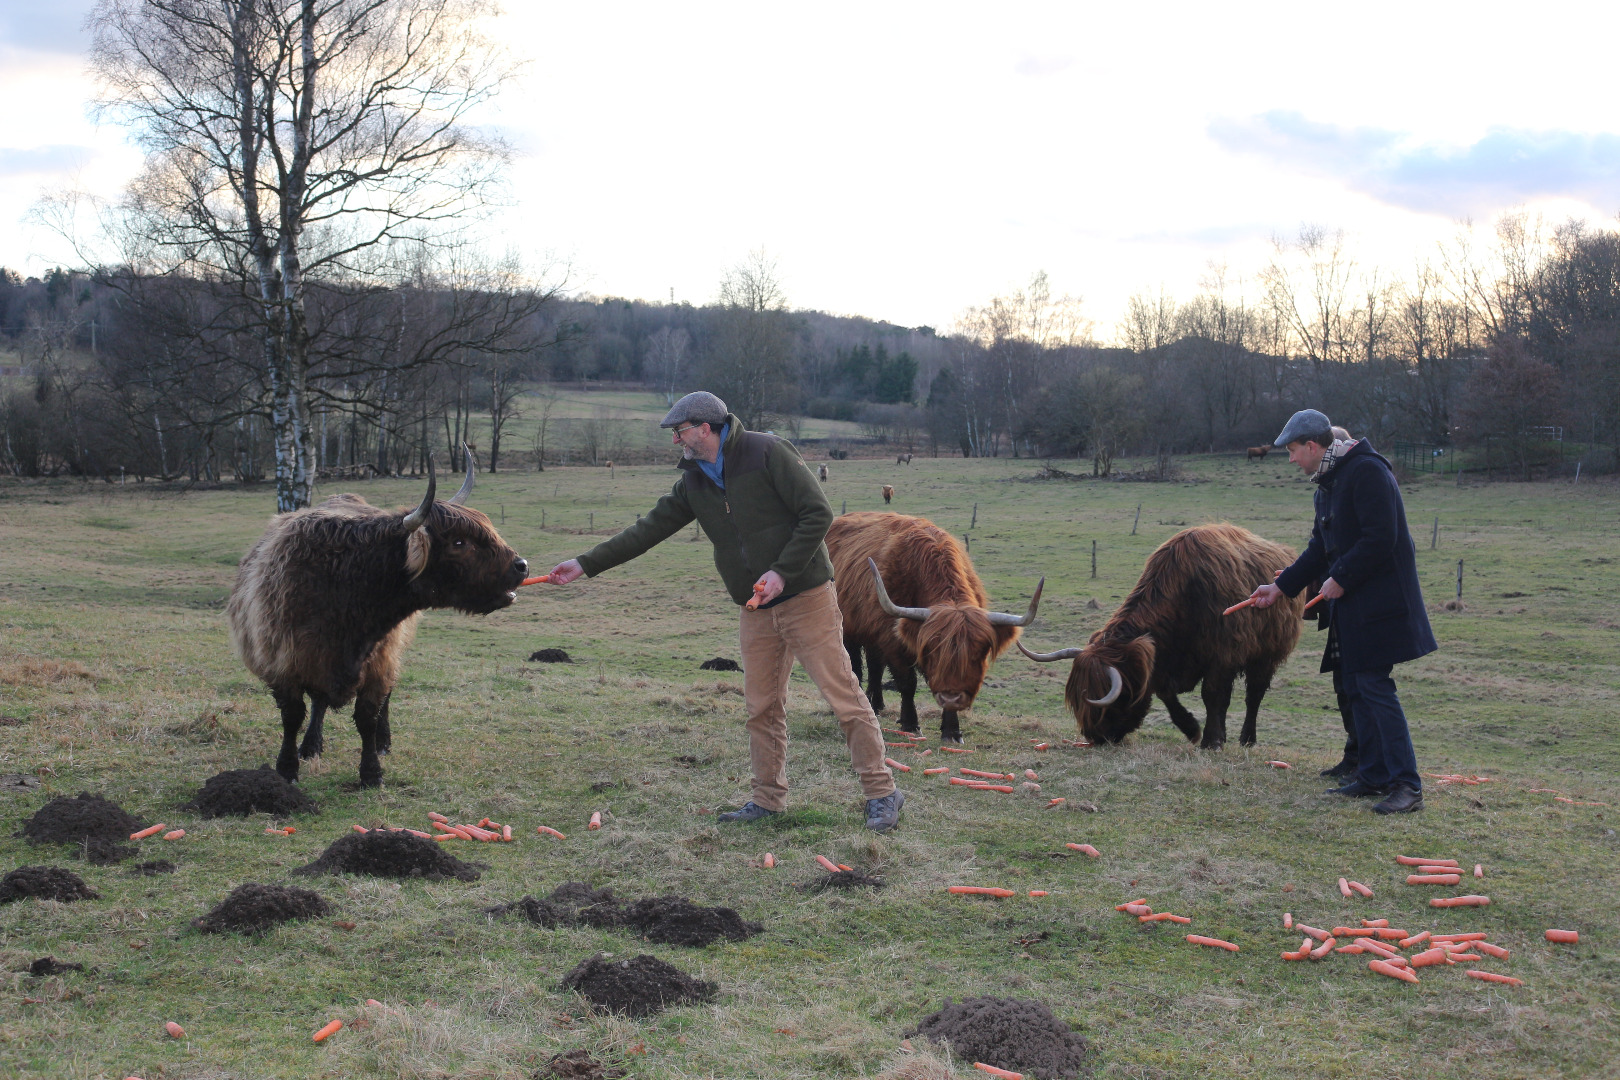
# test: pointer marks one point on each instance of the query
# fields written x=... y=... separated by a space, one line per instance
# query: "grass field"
x=115 y=665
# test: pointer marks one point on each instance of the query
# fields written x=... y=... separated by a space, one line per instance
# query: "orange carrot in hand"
x=979 y=890
x=328 y=1031
x=534 y=580
x=1384 y=967
x=1564 y=937
x=1491 y=976
x=150 y=830
x=759 y=594
x=1200 y=939
x=1239 y=606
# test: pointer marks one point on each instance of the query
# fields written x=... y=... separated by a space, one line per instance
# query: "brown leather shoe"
x=1402 y=800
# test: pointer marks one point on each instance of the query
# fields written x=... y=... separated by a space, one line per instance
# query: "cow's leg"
x=385 y=735
x=1217 y=693
x=315 y=737
x=291 y=705
x=874 y=679
x=949 y=730
x=1256 y=681
x=905 y=681
x=365 y=722
x=854 y=651
x=1184 y=720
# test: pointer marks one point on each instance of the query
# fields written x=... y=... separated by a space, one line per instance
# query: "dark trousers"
x=1384 y=745
x=1352 y=752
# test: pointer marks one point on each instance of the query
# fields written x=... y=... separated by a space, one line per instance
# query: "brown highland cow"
x=327 y=600
x=1169 y=635
x=909 y=599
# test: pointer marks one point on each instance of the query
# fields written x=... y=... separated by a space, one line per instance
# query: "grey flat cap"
x=698 y=407
x=1307 y=425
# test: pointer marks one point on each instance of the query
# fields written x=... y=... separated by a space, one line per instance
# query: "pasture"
x=116 y=677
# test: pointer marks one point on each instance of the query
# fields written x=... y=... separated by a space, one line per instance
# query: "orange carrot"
x=1376 y=924
x=1479 y=870
x=1564 y=937
x=846 y=869
x=1085 y=849
x=434 y=816
x=1002 y=1073
x=1373 y=945
x=417 y=832
x=1491 y=976
x=174 y=834
x=1165 y=916
x=1279 y=765
x=1362 y=889
x=1042 y=746
x=175 y=1030
x=506 y=833
x=150 y=830
x=759 y=594
x=448 y=836
x=1460 y=901
x=1031 y=774
x=979 y=890
x=1003 y=788
x=936 y=772
x=1491 y=950
x=1288 y=920
x=956 y=750
x=986 y=775
x=328 y=1031
x=360 y=828
x=534 y=580
x=1429 y=957
x=1312 y=602
x=1038 y=892
x=1344 y=888
x=1301 y=953
x=900 y=745
x=596 y=820
x=769 y=861
x=827 y=864
x=1438 y=938
x=289 y=830
x=1319 y=935
x=1457 y=956
x=1432 y=879
x=374 y=1003
x=1345 y=931
x=1389 y=933
x=1439 y=870
x=442 y=827
x=893 y=764
x=1384 y=967
x=1350 y=949
x=1415 y=939
x=1323 y=949
x=1408 y=860
x=275 y=832
x=1138 y=910
x=1128 y=903
x=549 y=831
x=1055 y=802
x=485 y=823
x=1200 y=939
x=1239 y=606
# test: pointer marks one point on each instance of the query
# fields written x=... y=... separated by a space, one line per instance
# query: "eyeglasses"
x=679 y=431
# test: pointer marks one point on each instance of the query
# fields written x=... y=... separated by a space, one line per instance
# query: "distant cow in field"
x=327 y=600
x=903 y=459
x=888 y=494
x=941 y=622
x=821 y=474
x=1258 y=452
x=1169 y=635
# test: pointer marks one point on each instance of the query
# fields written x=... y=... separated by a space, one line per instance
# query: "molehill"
x=844 y=879
x=241 y=792
x=45 y=882
x=390 y=854
x=663 y=920
x=719 y=663
x=1009 y=1033
x=551 y=656
x=98 y=826
x=577 y=1065
x=640 y=986
x=256 y=909
x=50 y=965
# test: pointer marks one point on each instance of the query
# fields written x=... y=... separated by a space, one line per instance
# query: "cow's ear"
x=1139 y=665
x=418 y=546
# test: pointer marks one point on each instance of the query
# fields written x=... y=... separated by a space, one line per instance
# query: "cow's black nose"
x=521 y=566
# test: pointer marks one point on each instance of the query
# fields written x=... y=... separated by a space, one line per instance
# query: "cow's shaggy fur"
x=1169 y=635
x=1258 y=452
x=922 y=566
x=327 y=600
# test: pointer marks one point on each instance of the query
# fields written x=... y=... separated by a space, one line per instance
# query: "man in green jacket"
x=767 y=518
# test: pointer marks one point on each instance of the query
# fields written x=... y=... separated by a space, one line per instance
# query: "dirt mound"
x=390 y=854
x=719 y=663
x=45 y=882
x=153 y=868
x=255 y=909
x=82 y=817
x=551 y=656
x=240 y=792
x=664 y=920
x=844 y=879
x=1021 y=1036
x=99 y=851
x=50 y=965
x=577 y=1065
x=638 y=987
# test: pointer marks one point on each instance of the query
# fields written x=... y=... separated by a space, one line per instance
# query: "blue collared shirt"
x=715 y=470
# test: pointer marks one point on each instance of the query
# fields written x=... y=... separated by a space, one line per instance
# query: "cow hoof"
x=371 y=779
x=1213 y=745
x=1246 y=742
x=953 y=738
x=307 y=751
x=288 y=771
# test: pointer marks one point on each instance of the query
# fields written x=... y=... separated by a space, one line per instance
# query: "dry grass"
x=42 y=673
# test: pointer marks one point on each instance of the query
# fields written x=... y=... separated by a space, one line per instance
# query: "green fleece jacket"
x=772 y=515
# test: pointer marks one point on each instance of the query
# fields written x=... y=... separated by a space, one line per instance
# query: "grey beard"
x=686 y=454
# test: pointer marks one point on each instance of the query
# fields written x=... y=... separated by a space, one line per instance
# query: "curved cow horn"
x=1048 y=657
x=918 y=613
x=418 y=517
x=466 y=485
x=1115 y=685
x=1001 y=618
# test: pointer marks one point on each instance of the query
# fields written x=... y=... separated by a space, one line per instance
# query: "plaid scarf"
x=1331 y=458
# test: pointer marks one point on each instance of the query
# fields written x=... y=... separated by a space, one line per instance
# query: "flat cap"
x=1307 y=425
x=698 y=407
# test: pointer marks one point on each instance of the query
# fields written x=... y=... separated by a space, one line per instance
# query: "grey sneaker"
x=750 y=812
x=883 y=814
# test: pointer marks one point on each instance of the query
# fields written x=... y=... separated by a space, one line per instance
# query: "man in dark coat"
x=1362 y=552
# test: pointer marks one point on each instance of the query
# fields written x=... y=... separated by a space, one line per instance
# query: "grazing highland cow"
x=945 y=629
x=1169 y=635
x=888 y=494
x=1258 y=452
x=822 y=474
x=327 y=600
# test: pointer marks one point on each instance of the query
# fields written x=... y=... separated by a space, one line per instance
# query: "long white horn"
x=1115 y=684
x=1001 y=618
x=418 y=517
x=466 y=485
x=918 y=613
x=1048 y=657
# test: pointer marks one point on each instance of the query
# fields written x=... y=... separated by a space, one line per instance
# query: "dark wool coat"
x=1360 y=540
x=772 y=515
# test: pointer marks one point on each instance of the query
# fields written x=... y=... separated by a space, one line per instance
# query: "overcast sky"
x=905 y=161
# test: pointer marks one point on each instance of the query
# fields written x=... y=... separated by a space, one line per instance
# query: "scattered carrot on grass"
x=435 y=816
x=827 y=864
x=1038 y=892
x=1352 y=949
x=1384 y=967
x=1138 y=910
x=448 y=836
x=506 y=833
x=1390 y=933
x=175 y=1030
x=1374 y=946
x=936 y=772
x=1002 y=1073
x=1362 y=889
x=1319 y=935
x=1165 y=916
x=150 y=830
x=1460 y=901
x=1375 y=923
x=1491 y=950
x=1288 y=920
x=1301 y=953
x=1031 y=774
x=1432 y=879
x=1344 y=888
x=1410 y=860
x=1055 y=802
x=846 y=868
x=1479 y=870
x=360 y=828
x=1217 y=943
x=549 y=831
x=1491 y=976
x=174 y=834
x=1564 y=937
x=1279 y=765
x=1429 y=957
x=956 y=750
x=1415 y=939
x=1323 y=949
x=1084 y=849
x=1449 y=938
x=374 y=1003
x=328 y=1031
x=596 y=820
x=980 y=890
x=1346 y=931
x=769 y=861
x=893 y=764
x=1128 y=903
x=1042 y=746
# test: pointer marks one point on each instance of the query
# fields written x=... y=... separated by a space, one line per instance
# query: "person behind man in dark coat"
x=1363 y=554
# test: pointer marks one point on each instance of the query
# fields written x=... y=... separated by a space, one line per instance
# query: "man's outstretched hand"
x=1263 y=597
x=564 y=572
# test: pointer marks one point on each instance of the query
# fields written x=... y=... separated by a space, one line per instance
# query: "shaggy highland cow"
x=1259 y=452
x=1169 y=635
x=327 y=600
x=945 y=629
